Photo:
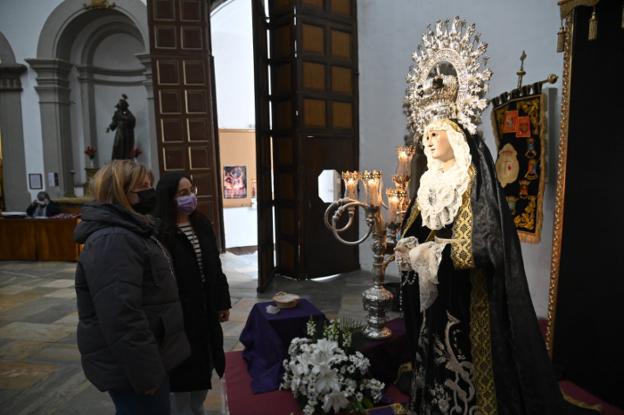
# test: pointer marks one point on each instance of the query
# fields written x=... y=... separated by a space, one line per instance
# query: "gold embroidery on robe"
x=461 y=245
x=412 y=217
x=481 y=344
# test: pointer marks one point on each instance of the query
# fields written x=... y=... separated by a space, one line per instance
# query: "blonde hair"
x=112 y=182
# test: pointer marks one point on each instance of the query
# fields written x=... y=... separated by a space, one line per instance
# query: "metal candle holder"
x=376 y=299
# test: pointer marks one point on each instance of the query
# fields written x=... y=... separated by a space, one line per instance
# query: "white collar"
x=440 y=195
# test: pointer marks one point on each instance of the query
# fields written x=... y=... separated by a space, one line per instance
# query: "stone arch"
x=96 y=36
x=54 y=64
x=73 y=11
x=86 y=112
x=14 y=184
x=6 y=51
x=216 y=5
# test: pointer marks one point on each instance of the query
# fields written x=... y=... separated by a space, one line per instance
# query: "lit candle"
x=405 y=155
x=372 y=181
x=373 y=188
x=402 y=168
x=393 y=204
x=351 y=179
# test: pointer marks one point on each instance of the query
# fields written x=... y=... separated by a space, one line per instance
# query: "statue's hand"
x=401 y=252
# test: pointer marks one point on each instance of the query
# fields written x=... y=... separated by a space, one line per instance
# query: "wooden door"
x=264 y=187
x=327 y=99
x=185 y=110
x=312 y=96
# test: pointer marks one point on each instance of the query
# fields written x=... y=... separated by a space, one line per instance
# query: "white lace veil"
x=440 y=192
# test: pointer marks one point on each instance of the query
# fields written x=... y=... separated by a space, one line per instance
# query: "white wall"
x=117 y=52
x=21 y=22
x=389 y=32
x=232 y=48
x=240 y=226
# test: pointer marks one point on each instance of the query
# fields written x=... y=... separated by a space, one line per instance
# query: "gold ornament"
x=593 y=26
x=561 y=35
x=507 y=165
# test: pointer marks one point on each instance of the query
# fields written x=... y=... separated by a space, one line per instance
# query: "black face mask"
x=147 y=201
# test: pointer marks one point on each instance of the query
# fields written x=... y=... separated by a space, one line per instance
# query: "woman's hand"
x=224 y=315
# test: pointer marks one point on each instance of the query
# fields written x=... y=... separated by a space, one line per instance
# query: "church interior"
x=305 y=128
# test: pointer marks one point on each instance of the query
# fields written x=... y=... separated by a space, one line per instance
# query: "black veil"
x=524 y=377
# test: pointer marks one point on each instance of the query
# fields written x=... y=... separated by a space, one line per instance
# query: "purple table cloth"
x=387 y=355
x=266 y=338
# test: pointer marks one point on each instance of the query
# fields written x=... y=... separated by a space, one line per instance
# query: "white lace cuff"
x=401 y=252
x=425 y=261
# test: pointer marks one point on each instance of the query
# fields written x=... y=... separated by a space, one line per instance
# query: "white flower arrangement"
x=326 y=375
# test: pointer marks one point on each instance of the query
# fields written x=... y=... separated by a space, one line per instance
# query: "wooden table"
x=50 y=239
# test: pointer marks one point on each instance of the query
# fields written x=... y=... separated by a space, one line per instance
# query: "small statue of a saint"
x=123 y=122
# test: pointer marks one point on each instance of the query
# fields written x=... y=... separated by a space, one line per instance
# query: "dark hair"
x=167 y=209
x=43 y=195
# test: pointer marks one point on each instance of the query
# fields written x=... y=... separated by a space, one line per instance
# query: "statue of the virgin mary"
x=476 y=345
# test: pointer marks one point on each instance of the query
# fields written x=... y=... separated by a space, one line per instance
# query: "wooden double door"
x=305 y=60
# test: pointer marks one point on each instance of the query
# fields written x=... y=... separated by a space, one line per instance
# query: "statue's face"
x=438 y=145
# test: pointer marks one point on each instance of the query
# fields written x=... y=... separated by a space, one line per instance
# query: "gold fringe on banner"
x=593 y=26
x=562 y=33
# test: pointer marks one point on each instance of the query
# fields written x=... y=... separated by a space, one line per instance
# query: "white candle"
x=373 y=190
x=405 y=155
x=403 y=163
x=393 y=204
x=351 y=188
x=351 y=179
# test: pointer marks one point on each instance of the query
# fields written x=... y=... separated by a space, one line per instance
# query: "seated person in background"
x=43 y=207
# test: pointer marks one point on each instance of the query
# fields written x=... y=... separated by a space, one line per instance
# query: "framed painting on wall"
x=234 y=182
x=35 y=181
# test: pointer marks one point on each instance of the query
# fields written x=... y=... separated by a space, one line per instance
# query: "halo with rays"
x=455 y=48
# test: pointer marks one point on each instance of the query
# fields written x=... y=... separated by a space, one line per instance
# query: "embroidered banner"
x=519 y=129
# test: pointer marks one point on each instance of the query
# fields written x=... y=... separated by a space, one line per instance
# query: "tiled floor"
x=40 y=371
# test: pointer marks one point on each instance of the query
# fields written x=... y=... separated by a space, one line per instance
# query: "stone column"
x=87 y=101
x=53 y=89
x=146 y=60
x=15 y=179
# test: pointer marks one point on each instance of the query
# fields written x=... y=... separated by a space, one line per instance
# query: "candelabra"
x=377 y=299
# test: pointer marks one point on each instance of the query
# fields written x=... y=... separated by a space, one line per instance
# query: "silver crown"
x=448 y=78
x=438 y=96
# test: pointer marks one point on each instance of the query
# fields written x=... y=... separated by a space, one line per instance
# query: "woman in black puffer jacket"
x=131 y=329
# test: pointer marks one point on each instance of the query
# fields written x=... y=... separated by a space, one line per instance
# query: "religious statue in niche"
x=123 y=122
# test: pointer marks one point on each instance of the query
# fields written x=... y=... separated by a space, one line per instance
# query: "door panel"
x=328 y=126
x=313 y=126
x=322 y=253
x=185 y=109
x=264 y=195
